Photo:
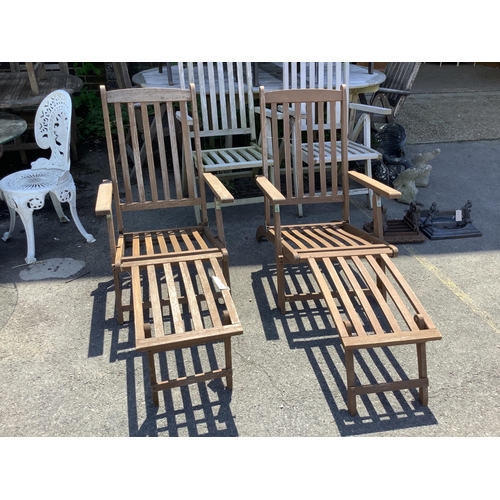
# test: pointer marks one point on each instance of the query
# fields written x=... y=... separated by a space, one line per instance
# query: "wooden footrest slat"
x=192 y=379
x=388 y=339
x=306 y=253
x=188 y=339
x=170 y=257
x=389 y=386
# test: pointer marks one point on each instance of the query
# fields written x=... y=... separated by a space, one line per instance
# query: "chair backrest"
x=157 y=182
x=400 y=76
x=316 y=75
x=234 y=115
x=53 y=130
x=305 y=75
x=38 y=71
x=318 y=181
x=122 y=75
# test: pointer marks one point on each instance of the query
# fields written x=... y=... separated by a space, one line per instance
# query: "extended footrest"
x=182 y=304
x=372 y=305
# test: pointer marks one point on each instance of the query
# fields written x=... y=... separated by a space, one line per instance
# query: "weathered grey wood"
x=399 y=80
x=21 y=90
x=226 y=111
x=16 y=93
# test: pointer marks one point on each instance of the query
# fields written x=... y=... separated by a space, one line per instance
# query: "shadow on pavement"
x=307 y=326
x=197 y=410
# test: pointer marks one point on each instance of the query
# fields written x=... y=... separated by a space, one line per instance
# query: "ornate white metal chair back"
x=53 y=130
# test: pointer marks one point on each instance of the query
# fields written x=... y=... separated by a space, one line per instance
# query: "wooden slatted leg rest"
x=186 y=308
x=381 y=311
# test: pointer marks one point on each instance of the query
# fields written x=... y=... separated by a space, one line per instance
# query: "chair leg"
x=151 y=367
x=280 y=274
x=351 y=380
x=25 y=207
x=229 y=363
x=26 y=215
x=58 y=208
x=69 y=195
x=423 y=392
x=118 y=297
x=225 y=270
x=369 y=196
x=12 y=224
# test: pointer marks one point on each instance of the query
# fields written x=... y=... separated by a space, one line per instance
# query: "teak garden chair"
x=370 y=302
x=399 y=80
x=331 y=75
x=179 y=275
x=227 y=114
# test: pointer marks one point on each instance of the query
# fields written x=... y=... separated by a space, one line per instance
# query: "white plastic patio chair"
x=26 y=190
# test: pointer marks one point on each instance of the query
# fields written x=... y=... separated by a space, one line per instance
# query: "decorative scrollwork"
x=53 y=122
x=36 y=203
x=64 y=195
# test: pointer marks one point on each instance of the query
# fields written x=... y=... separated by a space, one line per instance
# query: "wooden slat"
x=209 y=297
x=341 y=252
x=153 y=290
x=155 y=298
x=416 y=304
x=192 y=379
x=360 y=295
x=122 y=148
x=158 y=120
x=327 y=297
x=136 y=244
x=389 y=339
x=149 y=153
x=174 y=303
x=375 y=291
x=194 y=310
x=137 y=305
x=391 y=386
x=187 y=339
x=134 y=137
x=226 y=294
x=405 y=313
x=345 y=300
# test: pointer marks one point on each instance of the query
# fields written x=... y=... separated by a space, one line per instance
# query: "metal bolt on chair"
x=26 y=190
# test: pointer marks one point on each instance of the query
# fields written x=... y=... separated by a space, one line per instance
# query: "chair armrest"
x=366 y=108
x=104 y=202
x=270 y=191
x=189 y=118
x=221 y=193
x=375 y=186
x=269 y=113
x=382 y=90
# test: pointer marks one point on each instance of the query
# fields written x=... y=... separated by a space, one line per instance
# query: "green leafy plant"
x=87 y=104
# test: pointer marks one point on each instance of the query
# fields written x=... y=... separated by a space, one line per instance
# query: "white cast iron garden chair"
x=26 y=190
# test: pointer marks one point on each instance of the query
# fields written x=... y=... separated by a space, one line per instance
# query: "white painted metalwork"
x=26 y=190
